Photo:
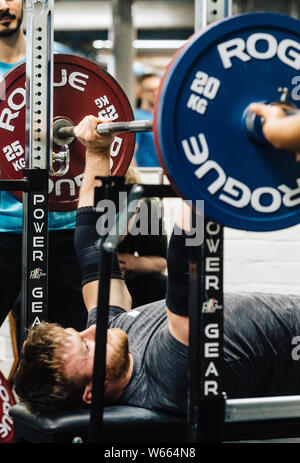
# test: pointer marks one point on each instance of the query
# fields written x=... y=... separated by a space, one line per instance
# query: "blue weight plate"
x=199 y=130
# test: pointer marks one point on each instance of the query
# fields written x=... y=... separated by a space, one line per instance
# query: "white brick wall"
x=252 y=262
x=262 y=261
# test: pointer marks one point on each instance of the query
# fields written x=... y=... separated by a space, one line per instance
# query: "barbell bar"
x=64 y=134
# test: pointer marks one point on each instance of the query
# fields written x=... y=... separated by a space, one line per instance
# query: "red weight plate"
x=7 y=400
x=81 y=87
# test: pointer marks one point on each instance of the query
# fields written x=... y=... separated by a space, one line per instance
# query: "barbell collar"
x=58 y=123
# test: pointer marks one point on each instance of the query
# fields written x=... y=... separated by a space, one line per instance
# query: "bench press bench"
x=245 y=419
x=121 y=424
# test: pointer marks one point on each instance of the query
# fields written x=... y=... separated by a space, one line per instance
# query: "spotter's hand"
x=268 y=112
x=280 y=129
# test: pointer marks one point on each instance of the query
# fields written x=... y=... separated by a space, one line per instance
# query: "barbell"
x=210 y=146
x=63 y=133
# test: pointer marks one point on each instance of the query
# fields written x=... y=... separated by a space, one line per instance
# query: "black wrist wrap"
x=85 y=240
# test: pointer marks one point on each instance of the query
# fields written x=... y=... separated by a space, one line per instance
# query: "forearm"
x=280 y=130
x=97 y=157
x=284 y=133
x=118 y=294
x=96 y=165
x=177 y=297
x=148 y=264
x=88 y=254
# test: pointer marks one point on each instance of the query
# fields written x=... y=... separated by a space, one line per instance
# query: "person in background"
x=145 y=154
x=64 y=272
x=142 y=258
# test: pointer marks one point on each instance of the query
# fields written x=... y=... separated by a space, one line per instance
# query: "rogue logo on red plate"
x=81 y=87
x=6 y=402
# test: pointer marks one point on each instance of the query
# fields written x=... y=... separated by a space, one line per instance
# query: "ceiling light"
x=143 y=44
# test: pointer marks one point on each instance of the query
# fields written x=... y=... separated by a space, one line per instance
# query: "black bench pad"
x=121 y=424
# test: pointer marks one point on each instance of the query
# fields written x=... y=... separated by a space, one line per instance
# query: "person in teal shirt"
x=64 y=274
x=145 y=154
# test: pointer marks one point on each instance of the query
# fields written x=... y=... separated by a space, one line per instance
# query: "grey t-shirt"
x=260 y=336
x=260 y=343
x=160 y=362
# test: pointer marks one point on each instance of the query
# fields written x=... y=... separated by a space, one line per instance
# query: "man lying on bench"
x=147 y=348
